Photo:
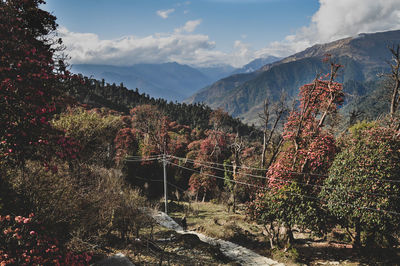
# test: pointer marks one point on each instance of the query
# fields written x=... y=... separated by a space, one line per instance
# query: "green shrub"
x=356 y=192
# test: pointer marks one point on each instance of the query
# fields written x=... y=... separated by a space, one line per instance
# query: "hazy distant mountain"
x=242 y=94
x=170 y=81
x=256 y=64
x=216 y=72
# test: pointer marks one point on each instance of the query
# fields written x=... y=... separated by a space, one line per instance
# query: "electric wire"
x=260 y=187
x=294 y=182
x=142 y=160
x=292 y=172
x=300 y=195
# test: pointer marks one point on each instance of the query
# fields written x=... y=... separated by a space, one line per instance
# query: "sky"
x=210 y=32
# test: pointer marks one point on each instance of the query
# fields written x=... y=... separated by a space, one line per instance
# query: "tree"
x=152 y=125
x=278 y=111
x=125 y=144
x=393 y=79
x=214 y=147
x=94 y=130
x=356 y=191
x=307 y=153
x=30 y=77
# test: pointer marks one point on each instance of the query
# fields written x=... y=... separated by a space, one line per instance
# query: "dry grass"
x=214 y=220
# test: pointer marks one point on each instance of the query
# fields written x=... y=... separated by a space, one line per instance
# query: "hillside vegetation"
x=82 y=160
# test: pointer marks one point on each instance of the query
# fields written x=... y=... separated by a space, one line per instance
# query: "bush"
x=86 y=205
x=357 y=192
x=94 y=131
x=284 y=208
x=24 y=241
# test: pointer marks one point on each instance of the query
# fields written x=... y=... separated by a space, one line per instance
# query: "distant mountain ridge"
x=171 y=81
x=242 y=94
x=256 y=64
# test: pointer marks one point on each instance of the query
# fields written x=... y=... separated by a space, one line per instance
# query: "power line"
x=153 y=155
x=144 y=157
x=141 y=160
x=252 y=185
x=296 y=182
x=234 y=181
x=292 y=172
x=137 y=158
x=244 y=167
x=305 y=196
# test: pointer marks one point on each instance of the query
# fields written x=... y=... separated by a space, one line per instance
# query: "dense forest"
x=80 y=159
x=99 y=94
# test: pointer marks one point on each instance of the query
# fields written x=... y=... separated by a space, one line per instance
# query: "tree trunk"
x=234 y=198
x=289 y=234
x=264 y=150
x=357 y=238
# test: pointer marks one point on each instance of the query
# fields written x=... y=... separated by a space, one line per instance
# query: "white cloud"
x=165 y=13
x=191 y=49
x=189 y=26
x=336 y=19
x=341 y=18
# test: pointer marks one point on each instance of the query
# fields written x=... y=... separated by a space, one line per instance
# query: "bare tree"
x=237 y=148
x=393 y=78
x=277 y=112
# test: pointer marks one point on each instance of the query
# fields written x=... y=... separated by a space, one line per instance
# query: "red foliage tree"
x=300 y=169
x=309 y=148
x=23 y=241
x=29 y=77
x=213 y=148
x=125 y=143
x=152 y=126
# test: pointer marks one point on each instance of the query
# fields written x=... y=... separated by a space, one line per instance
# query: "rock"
x=189 y=240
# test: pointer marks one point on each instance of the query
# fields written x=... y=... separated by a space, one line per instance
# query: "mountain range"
x=171 y=81
x=362 y=57
x=256 y=64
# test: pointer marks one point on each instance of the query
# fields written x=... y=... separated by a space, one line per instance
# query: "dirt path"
x=238 y=253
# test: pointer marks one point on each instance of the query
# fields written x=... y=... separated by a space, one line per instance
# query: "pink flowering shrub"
x=23 y=241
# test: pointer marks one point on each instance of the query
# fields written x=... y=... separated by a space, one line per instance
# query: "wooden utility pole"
x=165 y=184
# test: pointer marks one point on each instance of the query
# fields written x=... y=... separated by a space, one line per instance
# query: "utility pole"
x=165 y=184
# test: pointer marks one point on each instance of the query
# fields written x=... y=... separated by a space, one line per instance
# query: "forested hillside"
x=98 y=94
x=82 y=162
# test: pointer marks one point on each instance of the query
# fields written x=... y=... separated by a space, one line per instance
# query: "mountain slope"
x=256 y=64
x=170 y=81
x=242 y=95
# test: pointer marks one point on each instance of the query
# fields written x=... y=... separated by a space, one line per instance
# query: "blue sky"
x=210 y=32
x=257 y=22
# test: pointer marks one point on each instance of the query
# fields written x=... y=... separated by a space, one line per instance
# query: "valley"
x=199 y=132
